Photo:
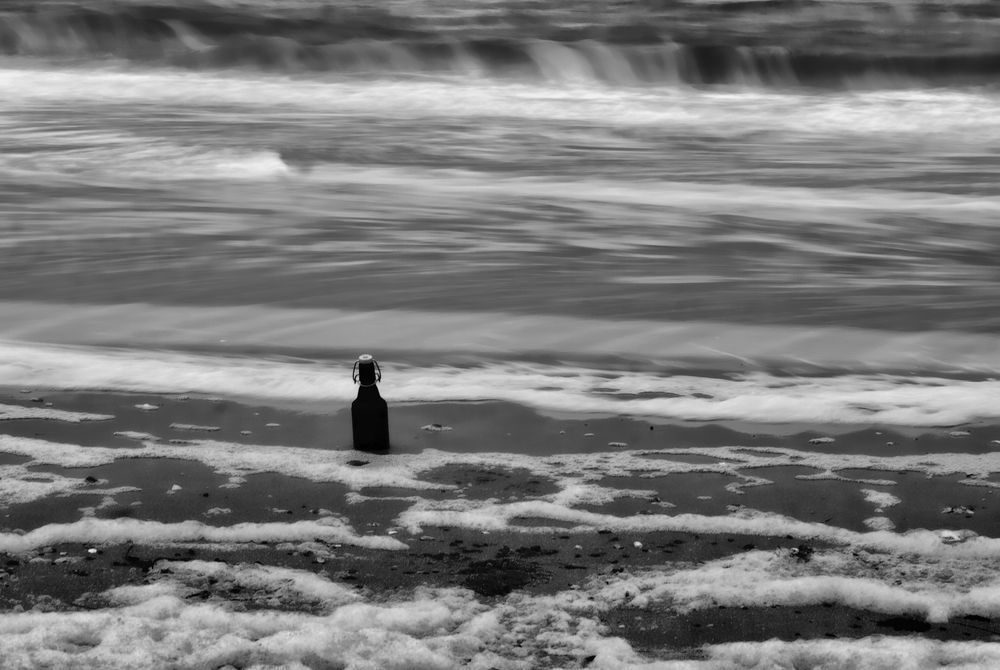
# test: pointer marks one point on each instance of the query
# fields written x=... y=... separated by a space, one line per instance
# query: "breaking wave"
x=365 y=41
x=74 y=154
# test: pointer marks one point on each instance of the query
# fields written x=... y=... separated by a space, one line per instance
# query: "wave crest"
x=356 y=41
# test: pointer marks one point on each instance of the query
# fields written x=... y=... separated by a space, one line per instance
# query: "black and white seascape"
x=687 y=312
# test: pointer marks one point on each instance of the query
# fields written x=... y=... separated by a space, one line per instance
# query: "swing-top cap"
x=366 y=370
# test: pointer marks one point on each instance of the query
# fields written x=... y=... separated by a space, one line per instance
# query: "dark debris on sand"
x=507 y=572
x=69 y=577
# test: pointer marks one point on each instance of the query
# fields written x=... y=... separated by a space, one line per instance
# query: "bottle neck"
x=366 y=373
x=365 y=392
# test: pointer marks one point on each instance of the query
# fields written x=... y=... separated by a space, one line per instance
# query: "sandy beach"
x=660 y=535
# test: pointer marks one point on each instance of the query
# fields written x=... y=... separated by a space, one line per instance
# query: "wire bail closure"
x=355 y=375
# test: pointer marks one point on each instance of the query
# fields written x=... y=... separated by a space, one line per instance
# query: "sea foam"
x=574 y=474
x=967 y=117
x=580 y=480
x=858 y=397
x=155 y=626
x=113 y=531
x=15 y=412
x=876 y=582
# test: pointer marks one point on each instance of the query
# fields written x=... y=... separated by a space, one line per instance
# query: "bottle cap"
x=366 y=370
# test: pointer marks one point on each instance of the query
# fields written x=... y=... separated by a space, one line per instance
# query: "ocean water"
x=765 y=212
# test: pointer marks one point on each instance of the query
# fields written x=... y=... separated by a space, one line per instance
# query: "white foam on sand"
x=93 y=531
x=19 y=485
x=580 y=479
x=937 y=590
x=232 y=459
x=880 y=523
x=238 y=460
x=135 y=435
x=932 y=573
x=160 y=630
x=194 y=427
x=155 y=626
x=881 y=499
x=493 y=516
x=15 y=412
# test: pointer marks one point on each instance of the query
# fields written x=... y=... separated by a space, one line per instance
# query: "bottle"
x=369 y=412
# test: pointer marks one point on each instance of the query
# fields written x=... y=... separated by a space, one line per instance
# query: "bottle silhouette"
x=369 y=413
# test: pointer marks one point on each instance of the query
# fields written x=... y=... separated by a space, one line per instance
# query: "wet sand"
x=534 y=556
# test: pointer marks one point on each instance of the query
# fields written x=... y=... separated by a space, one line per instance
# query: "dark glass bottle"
x=369 y=412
